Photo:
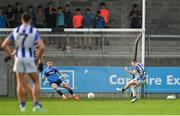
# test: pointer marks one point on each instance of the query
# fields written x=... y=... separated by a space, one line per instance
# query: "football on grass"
x=91 y=95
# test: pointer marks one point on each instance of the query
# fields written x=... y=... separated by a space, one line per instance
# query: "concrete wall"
x=163 y=16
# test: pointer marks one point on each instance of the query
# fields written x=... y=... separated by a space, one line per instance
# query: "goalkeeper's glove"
x=63 y=75
x=7 y=58
x=40 y=67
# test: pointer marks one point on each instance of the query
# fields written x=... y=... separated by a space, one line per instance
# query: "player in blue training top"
x=52 y=74
x=139 y=79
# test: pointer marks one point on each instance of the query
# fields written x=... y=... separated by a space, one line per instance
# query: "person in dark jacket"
x=88 y=22
x=50 y=16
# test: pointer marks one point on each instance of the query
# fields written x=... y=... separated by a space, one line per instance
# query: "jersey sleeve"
x=56 y=70
x=136 y=68
x=37 y=36
x=11 y=37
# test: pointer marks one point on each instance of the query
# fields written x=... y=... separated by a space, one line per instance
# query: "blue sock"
x=134 y=97
x=36 y=103
x=23 y=104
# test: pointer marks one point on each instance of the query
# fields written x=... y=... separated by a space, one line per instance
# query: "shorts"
x=139 y=80
x=24 y=65
x=59 y=82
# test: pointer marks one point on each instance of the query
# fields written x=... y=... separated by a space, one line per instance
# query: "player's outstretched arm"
x=43 y=77
x=62 y=74
x=133 y=72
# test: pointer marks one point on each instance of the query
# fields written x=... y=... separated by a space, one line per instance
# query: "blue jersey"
x=51 y=74
x=140 y=70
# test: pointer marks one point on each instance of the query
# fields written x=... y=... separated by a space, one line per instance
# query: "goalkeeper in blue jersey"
x=52 y=74
x=139 y=79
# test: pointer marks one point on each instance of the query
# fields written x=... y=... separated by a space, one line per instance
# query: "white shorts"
x=139 y=81
x=24 y=65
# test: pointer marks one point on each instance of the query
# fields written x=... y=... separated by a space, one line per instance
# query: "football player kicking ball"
x=52 y=75
x=137 y=81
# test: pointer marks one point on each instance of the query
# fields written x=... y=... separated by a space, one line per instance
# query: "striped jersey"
x=140 y=70
x=25 y=38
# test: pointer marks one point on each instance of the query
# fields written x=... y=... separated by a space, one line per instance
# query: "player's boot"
x=22 y=108
x=134 y=99
x=75 y=97
x=37 y=108
x=64 y=97
x=120 y=90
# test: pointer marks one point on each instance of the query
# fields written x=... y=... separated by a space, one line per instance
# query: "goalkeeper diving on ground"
x=52 y=76
x=139 y=79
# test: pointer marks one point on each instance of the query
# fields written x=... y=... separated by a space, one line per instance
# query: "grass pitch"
x=56 y=106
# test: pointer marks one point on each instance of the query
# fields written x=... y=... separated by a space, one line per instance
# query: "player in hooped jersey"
x=139 y=79
x=24 y=38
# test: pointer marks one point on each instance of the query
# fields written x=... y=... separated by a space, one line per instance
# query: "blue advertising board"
x=107 y=79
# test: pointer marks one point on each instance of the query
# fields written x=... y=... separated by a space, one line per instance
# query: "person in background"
x=50 y=16
x=10 y=16
x=18 y=12
x=40 y=18
x=68 y=17
x=68 y=24
x=2 y=19
x=61 y=42
x=105 y=14
x=135 y=17
x=88 y=22
x=32 y=14
x=77 y=23
x=99 y=23
x=50 y=19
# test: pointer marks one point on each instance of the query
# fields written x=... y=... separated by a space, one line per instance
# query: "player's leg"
x=129 y=84
x=133 y=89
x=64 y=85
x=20 y=91
x=27 y=85
x=35 y=91
x=55 y=87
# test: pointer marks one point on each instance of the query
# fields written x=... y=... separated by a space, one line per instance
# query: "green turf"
x=96 y=106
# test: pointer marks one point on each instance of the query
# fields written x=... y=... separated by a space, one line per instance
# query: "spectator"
x=135 y=17
x=68 y=24
x=40 y=18
x=100 y=23
x=61 y=42
x=68 y=17
x=32 y=14
x=60 y=18
x=18 y=12
x=77 y=19
x=2 y=19
x=77 y=23
x=50 y=16
x=50 y=19
x=88 y=22
x=10 y=17
x=104 y=13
